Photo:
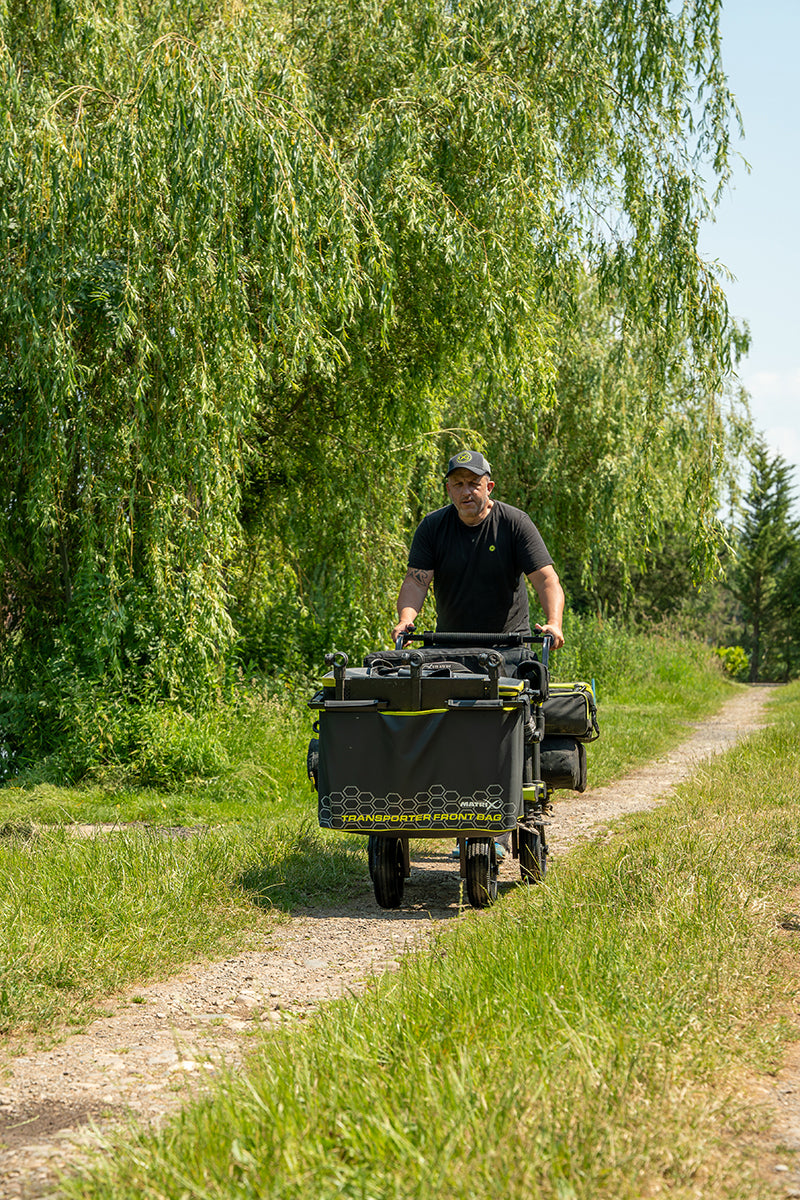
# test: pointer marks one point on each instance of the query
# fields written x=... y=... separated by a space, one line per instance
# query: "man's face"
x=470 y=494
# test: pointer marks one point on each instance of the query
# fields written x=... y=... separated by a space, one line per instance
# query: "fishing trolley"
x=460 y=737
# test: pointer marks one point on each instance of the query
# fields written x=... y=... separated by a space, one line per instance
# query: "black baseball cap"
x=470 y=460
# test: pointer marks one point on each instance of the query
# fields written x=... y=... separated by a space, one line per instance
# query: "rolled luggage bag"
x=563 y=763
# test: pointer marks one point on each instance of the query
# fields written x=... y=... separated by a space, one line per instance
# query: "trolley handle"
x=435 y=638
x=403 y=638
x=432 y=638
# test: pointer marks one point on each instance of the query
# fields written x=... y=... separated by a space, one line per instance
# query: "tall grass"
x=583 y=1039
x=246 y=760
x=240 y=762
x=635 y=665
x=83 y=917
x=650 y=688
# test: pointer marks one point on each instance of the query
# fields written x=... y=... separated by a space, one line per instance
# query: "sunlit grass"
x=246 y=761
x=243 y=762
x=81 y=917
x=650 y=689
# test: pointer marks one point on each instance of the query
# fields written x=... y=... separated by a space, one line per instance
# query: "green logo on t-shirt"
x=491 y=547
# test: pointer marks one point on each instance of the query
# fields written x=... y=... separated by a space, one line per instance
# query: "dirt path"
x=161 y=1041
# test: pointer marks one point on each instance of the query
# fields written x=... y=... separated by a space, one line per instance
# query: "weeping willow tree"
x=263 y=265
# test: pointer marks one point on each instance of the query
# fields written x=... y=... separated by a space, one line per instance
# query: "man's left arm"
x=548 y=588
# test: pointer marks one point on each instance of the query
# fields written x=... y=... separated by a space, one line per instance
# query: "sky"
x=757 y=232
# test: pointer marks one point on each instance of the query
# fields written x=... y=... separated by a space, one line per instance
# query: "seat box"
x=401 y=692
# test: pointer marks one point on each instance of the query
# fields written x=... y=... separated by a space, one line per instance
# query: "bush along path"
x=160 y=1043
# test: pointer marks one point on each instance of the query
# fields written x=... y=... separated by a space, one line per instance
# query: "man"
x=478 y=551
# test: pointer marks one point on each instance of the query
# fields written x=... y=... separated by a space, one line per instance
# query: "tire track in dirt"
x=163 y=1040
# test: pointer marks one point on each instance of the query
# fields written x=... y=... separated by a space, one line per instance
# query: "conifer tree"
x=766 y=547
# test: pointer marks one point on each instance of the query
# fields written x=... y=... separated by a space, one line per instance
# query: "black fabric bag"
x=570 y=711
x=453 y=770
x=563 y=763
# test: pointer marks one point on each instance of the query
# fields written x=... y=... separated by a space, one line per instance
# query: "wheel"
x=481 y=872
x=387 y=869
x=312 y=762
x=532 y=855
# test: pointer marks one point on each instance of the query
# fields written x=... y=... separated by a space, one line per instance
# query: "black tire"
x=481 y=872
x=312 y=762
x=387 y=869
x=532 y=855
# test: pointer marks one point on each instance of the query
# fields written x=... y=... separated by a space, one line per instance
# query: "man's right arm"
x=413 y=591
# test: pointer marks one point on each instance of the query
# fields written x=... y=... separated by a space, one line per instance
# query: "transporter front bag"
x=411 y=747
x=421 y=772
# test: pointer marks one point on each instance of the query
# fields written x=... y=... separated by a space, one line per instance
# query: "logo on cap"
x=472 y=460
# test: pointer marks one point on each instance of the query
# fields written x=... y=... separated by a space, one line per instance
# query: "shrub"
x=735 y=662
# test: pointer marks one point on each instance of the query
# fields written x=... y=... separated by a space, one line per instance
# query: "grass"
x=245 y=762
x=240 y=762
x=649 y=689
x=586 y=1038
x=82 y=918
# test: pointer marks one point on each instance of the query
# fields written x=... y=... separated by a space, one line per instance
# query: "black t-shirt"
x=479 y=570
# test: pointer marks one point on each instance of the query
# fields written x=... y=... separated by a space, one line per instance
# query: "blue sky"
x=757 y=234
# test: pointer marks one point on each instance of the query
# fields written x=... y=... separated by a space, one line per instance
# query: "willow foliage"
x=263 y=265
x=628 y=462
